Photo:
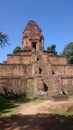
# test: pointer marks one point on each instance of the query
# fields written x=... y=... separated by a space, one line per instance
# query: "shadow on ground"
x=6 y=104
x=37 y=122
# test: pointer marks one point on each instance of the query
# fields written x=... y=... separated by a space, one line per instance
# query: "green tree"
x=3 y=39
x=70 y=60
x=52 y=48
x=68 y=52
x=16 y=49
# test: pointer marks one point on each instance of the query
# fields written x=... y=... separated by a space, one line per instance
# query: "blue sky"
x=55 y=17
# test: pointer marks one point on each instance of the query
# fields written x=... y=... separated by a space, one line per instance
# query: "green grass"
x=66 y=113
x=63 y=111
x=71 y=98
x=8 y=106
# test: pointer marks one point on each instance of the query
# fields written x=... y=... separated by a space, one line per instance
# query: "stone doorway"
x=45 y=87
x=34 y=45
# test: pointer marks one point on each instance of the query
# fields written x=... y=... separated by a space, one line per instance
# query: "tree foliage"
x=70 y=60
x=3 y=39
x=16 y=49
x=68 y=52
x=52 y=48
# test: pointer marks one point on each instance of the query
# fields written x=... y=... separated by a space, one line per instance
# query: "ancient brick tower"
x=32 y=37
x=33 y=70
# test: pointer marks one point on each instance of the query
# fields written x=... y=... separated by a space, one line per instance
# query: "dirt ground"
x=35 y=116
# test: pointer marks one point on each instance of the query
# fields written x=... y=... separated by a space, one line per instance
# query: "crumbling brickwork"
x=33 y=70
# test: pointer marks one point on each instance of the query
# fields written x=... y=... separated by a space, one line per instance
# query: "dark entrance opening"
x=34 y=45
x=37 y=58
x=45 y=87
x=40 y=70
x=53 y=72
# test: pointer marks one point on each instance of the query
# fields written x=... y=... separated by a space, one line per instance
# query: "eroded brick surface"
x=34 y=71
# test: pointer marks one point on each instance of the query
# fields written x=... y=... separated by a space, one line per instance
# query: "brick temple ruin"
x=33 y=70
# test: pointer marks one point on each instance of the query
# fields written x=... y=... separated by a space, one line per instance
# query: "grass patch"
x=8 y=106
x=68 y=112
x=71 y=98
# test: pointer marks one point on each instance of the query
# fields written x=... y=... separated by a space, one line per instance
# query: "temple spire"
x=32 y=37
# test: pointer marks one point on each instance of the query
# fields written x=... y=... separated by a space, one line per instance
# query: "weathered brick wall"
x=26 y=59
x=23 y=52
x=53 y=86
x=26 y=42
x=63 y=69
x=39 y=55
x=57 y=60
x=34 y=58
x=39 y=83
x=34 y=71
x=30 y=86
x=44 y=58
x=35 y=68
x=67 y=84
x=13 y=85
x=45 y=69
x=13 y=59
x=29 y=70
x=12 y=69
x=19 y=59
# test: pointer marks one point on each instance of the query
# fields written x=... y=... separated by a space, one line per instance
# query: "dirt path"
x=42 y=107
x=35 y=116
x=34 y=108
